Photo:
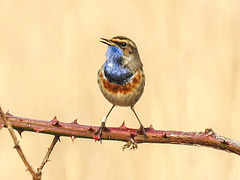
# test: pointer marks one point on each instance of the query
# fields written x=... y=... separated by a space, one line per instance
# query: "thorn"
x=151 y=128
x=91 y=129
x=74 y=122
x=8 y=113
x=20 y=133
x=73 y=138
x=28 y=125
x=123 y=126
x=55 y=122
x=38 y=129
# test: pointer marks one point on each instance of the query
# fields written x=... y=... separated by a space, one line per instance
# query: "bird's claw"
x=141 y=130
x=98 y=135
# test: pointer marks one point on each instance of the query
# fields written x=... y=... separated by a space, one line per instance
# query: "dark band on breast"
x=123 y=89
x=119 y=80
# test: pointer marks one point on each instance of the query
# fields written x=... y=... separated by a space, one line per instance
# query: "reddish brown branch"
x=122 y=133
x=17 y=145
x=46 y=158
x=35 y=175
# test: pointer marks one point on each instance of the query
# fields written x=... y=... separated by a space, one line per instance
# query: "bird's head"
x=121 y=46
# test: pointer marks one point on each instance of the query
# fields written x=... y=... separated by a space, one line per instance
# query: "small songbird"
x=121 y=78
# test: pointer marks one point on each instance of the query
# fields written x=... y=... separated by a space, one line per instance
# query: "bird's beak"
x=108 y=42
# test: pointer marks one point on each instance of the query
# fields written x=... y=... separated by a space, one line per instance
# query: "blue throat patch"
x=113 y=70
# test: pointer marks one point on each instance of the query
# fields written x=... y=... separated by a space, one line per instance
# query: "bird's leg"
x=141 y=126
x=99 y=132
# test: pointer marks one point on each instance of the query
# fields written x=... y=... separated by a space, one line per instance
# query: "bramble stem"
x=17 y=145
x=74 y=130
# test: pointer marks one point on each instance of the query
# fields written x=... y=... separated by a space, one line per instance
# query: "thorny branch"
x=35 y=175
x=17 y=145
x=74 y=130
x=46 y=158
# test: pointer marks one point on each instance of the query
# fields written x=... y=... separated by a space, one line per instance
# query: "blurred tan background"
x=49 y=57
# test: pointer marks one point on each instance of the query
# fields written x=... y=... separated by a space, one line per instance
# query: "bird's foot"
x=98 y=135
x=141 y=130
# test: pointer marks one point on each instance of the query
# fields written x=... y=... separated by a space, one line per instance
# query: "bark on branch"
x=74 y=130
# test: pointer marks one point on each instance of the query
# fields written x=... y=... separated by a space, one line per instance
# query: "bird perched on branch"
x=121 y=78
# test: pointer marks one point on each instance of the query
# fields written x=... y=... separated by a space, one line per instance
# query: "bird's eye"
x=124 y=44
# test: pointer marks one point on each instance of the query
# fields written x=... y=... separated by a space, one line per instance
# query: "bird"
x=121 y=78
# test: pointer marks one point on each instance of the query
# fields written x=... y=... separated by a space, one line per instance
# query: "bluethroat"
x=121 y=78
